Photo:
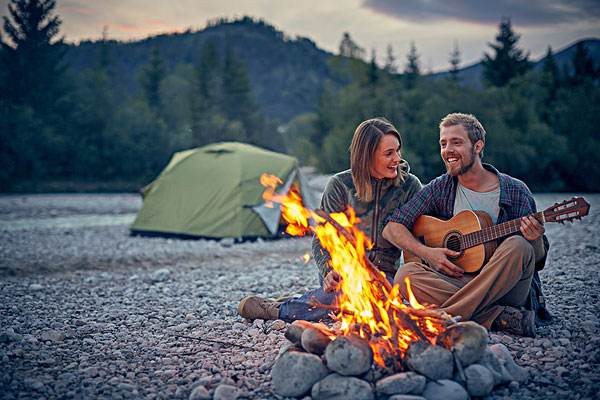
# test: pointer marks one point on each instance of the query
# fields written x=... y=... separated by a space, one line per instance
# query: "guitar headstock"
x=568 y=210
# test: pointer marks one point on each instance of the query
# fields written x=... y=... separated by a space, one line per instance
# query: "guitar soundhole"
x=453 y=243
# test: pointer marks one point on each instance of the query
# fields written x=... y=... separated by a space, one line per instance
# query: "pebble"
x=226 y=392
x=52 y=336
x=86 y=284
x=348 y=355
x=435 y=362
x=479 y=380
x=401 y=383
x=467 y=340
x=338 y=387
x=314 y=341
x=445 y=389
x=160 y=275
x=296 y=372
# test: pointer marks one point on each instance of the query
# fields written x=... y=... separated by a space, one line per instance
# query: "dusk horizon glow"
x=434 y=26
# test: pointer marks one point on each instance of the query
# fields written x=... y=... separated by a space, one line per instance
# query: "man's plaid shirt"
x=437 y=200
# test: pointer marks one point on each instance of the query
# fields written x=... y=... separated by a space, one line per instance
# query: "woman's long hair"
x=362 y=152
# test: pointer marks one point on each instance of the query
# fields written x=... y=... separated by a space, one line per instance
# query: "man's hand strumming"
x=438 y=259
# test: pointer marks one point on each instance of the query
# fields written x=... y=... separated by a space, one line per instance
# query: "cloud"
x=524 y=13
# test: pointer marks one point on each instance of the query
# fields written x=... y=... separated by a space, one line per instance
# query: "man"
x=496 y=296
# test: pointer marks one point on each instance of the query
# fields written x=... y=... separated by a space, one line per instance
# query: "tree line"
x=542 y=126
x=71 y=129
x=61 y=126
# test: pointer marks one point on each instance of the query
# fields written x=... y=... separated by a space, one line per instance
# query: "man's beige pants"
x=504 y=281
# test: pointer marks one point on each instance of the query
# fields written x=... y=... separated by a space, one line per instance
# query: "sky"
x=433 y=25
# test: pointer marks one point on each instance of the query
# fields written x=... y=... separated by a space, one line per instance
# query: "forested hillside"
x=108 y=115
x=286 y=75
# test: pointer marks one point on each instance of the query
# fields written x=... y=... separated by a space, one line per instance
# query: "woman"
x=377 y=182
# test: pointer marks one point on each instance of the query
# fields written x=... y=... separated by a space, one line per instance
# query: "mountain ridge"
x=286 y=74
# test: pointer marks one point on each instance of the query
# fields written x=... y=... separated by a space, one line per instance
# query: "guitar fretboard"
x=493 y=232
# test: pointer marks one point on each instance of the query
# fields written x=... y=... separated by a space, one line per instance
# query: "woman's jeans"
x=300 y=307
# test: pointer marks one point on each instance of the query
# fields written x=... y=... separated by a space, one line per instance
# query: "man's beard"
x=465 y=168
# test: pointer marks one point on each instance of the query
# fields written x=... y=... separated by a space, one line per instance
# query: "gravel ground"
x=88 y=311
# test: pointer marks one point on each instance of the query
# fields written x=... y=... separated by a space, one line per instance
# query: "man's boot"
x=255 y=307
x=518 y=322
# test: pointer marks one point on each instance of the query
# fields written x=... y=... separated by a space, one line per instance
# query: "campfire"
x=374 y=329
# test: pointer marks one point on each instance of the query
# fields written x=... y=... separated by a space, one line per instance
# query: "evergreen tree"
x=34 y=93
x=507 y=61
x=373 y=74
x=549 y=83
x=412 y=70
x=237 y=96
x=454 y=62
x=205 y=96
x=32 y=56
x=349 y=48
x=104 y=59
x=390 y=61
x=151 y=77
x=583 y=65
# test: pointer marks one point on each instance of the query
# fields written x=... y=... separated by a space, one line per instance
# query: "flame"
x=306 y=258
x=368 y=305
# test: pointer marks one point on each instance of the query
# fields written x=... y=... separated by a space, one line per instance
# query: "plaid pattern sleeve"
x=421 y=203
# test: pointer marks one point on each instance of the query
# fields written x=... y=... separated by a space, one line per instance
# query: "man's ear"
x=479 y=145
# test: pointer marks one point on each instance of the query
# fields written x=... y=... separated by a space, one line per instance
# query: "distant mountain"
x=472 y=74
x=286 y=75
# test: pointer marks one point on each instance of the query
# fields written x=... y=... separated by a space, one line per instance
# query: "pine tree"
x=390 y=61
x=205 y=96
x=583 y=65
x=104 y=59
x=237 y=96
x=549 y=83
x=34 y=94
x=349 y=48
x=32 y=56
x=152 y=75
x=507 y=61
x=412 y=70
x=373 y=74
x=454 y=60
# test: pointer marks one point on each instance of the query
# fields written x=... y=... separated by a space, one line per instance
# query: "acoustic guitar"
x=473 y=235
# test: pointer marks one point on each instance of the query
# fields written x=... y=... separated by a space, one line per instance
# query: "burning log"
x=375 y=274
x=297 y=328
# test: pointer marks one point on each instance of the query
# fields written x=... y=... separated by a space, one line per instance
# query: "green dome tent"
x=214 y=191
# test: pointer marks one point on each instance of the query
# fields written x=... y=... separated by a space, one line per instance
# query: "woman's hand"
x=331 y=281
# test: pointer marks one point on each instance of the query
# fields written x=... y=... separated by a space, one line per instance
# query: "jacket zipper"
x=375 y=222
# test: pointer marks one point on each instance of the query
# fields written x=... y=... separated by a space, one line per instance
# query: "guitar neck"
x=495 y=232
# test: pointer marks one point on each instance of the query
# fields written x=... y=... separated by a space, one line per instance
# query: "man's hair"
x=366 y=138
x=469 y=122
